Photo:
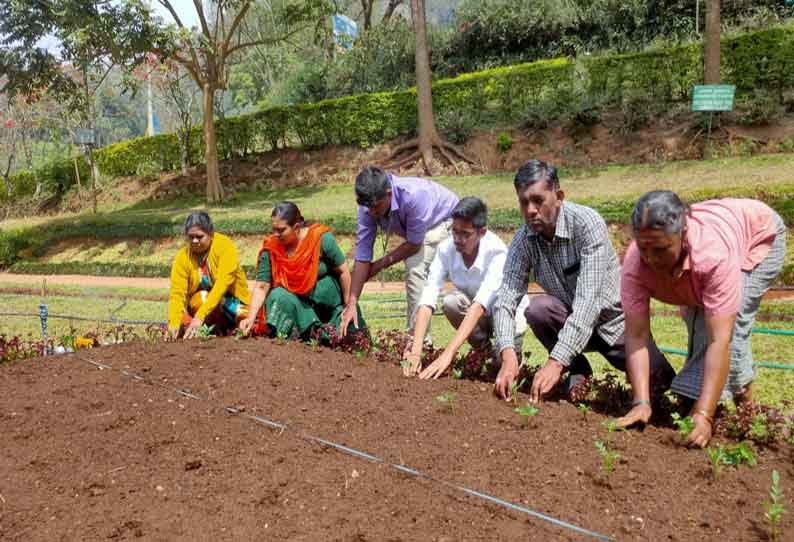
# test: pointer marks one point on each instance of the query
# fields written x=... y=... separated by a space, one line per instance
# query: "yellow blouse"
x=228 y=276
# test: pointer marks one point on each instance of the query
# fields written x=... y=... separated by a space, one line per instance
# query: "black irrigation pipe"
x=361 y=454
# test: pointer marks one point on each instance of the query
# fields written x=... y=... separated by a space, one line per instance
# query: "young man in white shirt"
x=472 y=259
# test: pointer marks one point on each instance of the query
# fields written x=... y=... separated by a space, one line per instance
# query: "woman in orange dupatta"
x=302 y=278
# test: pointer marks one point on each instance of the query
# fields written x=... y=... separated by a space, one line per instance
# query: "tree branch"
x=200 y=10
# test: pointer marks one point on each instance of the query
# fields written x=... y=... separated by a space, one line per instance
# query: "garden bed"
x=96 y=454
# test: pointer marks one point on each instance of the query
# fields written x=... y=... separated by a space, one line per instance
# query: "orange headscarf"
x=296 y=273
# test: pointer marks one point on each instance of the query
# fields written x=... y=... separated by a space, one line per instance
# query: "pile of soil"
x=94 y=454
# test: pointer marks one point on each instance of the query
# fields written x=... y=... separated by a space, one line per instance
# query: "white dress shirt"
x=480 y=282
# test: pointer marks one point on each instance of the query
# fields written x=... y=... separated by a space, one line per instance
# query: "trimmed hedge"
x=762 y=59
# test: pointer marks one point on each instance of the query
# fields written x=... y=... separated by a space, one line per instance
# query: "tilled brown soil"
x=96 y=454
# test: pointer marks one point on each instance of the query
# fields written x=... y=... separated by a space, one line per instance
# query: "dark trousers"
x=546 y=315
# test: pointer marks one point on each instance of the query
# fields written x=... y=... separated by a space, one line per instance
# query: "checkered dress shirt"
x=579 y=267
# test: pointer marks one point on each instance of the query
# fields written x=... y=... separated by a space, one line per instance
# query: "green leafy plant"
x=526 y=412
x=684 y=425
x=609 y=457
x=457 y=374
x=732 y=456
x=716 y=455
x=239 y=334
x=759 y=431
x=504 y=142
x=314 y=344
x=583 y=410
x=281 y=337
x=205 y=332
x=517 y=385
x=775 y=507
x=739 y=453
x=447 y=400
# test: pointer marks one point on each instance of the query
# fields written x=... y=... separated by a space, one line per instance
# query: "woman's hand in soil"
x=638 y=414
x=411 y=363
x=173 y=334
x=545 y=380
x=701 y=434
x=245 y=325
x=350 y=314
x=192 y=329
x=437 y=368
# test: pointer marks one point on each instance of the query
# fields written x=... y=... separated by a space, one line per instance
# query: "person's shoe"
x=575 y=387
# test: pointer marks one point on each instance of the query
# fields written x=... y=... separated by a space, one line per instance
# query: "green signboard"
x=713 y=97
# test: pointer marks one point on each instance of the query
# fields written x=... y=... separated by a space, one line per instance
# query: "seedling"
x=515 y=387
x=775 y=507
x=732 y=456
x=684 y=425
x=314 y=344
x=205 y=332
x=716 y=455
x=281 y=337
x=239 y=334
x=526 y=412
x=583 y=410
x=608 y=457
x=740 y=453
x=457 y=374
x=447 y=400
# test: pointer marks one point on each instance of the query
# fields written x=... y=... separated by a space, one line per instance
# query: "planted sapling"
x=239 y=334
x=281 y=337
x=608 y=457
x=583 y=410
x=205 y=332
x=515 y=387
x=526 y=412
x=716 y=455
x=447 y=400
x=775 y=507
x=684 y=425
x=314 y=344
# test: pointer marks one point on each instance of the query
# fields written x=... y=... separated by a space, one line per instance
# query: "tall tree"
x=206 y=54
x=711 y=48
x=92 y=37
x=428 y=138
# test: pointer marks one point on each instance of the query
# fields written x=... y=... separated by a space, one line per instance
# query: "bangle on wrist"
x=638 y=402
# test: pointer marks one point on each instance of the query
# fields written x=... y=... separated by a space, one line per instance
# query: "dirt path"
x=374 y=287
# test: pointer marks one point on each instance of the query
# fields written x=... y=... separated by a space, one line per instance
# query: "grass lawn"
x=383 y=311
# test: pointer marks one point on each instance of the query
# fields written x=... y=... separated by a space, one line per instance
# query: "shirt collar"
x=394 y=205
x=562 y=228
x=478 y=260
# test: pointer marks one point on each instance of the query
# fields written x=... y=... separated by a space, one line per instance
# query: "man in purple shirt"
x=415 y=209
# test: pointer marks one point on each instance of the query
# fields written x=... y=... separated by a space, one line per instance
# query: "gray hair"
x=371 y=185
x=659 y=210
x=200 y=219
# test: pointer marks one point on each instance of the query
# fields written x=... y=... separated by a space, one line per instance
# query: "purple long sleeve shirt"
x=417 y=205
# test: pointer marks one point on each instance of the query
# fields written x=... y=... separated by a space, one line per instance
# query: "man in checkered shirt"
x=567 y=247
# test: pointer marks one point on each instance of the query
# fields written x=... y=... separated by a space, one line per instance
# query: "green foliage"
x=456 y=126
x=775 y=507
x=608 y=457
x=583 y=410
x=685 y=425
x=504 y=142
x=526 y=412
x=533 y=94
x=447 y=400
x=762 y=108
x=204 y=333
x=732 y=456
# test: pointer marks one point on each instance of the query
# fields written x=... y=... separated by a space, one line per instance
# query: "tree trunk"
x=424 y=96
x=214 y=187
x=366 y=6
x=711 y=49
x=93 y=177
x=7 y=174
